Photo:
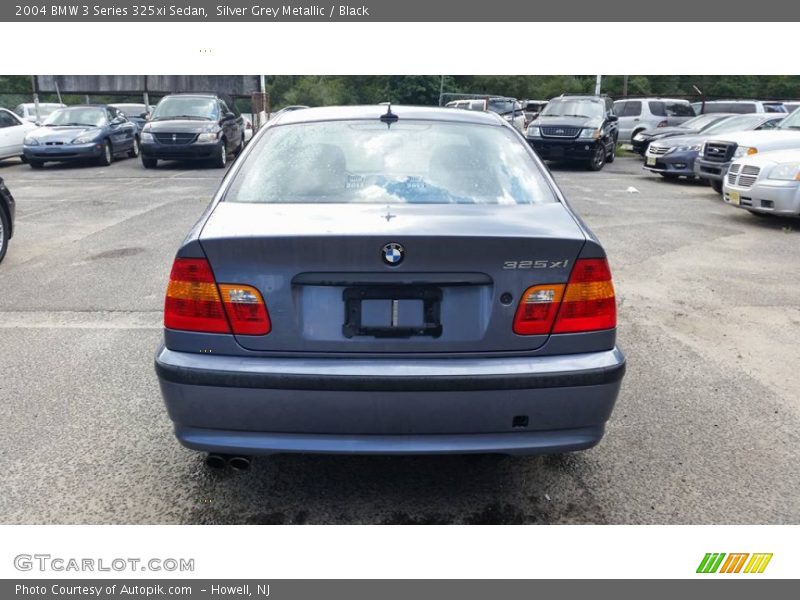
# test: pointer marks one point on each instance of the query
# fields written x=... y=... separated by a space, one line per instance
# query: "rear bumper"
x=570 y=149
x=407 y=406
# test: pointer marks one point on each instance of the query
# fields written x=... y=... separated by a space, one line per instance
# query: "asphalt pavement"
x=706 y=429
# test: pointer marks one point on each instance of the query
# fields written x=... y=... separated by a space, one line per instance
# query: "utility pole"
x=441 y=89
x=35 y=98
x=624 y=86
x=146 y=97
x=597 y=83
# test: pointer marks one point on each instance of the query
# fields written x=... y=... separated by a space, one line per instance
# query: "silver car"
x=389 y=280
x=639 y=114
x=765 y=183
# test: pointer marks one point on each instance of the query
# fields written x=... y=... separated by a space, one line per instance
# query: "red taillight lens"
x=537 y=309
x=245 y=309
x=194 y=302
x=662 y=124
x=589 y=303
x=585 y=303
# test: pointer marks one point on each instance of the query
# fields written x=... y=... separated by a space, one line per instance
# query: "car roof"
x=651 y=98
x=193 y=95
x=375 y=111
x=91 y=105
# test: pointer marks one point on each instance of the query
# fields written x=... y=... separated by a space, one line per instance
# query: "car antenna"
x=389 y=117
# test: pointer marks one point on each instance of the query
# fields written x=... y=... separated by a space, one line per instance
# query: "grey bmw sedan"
x=389 y=280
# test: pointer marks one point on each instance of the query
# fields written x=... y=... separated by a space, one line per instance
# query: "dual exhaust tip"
x=234 y=461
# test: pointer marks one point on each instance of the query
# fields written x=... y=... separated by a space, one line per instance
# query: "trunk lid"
x=327 y=287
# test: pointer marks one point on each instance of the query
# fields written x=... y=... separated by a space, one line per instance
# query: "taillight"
x=537 y=309
x=585 y=303
x=195 y=303
x=245 y=309
x=588 y=303
x=662 y=124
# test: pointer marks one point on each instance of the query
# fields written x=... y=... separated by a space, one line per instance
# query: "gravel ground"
x=705 y=429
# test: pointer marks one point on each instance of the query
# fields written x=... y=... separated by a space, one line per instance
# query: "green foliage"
x=317 y=90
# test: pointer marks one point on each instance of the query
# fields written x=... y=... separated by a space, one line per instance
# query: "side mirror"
x=229 y=116
x=144 y=115
x=118 y=120
x=613 y=118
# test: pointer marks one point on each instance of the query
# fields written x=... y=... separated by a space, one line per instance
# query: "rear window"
x=631 y=108
x=426 y=162
x=661 y=108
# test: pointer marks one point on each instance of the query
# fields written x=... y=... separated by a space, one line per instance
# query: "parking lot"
x=706 y=428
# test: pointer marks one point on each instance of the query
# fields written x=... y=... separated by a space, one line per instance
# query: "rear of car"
x=765 y=184
x=401 y=281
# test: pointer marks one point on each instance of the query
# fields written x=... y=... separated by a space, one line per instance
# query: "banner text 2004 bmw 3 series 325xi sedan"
x=389 y=280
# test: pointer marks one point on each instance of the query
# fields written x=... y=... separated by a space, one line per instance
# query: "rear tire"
x=5 y=231
x=598 y=159
x=149 y=163
x=36 y=164
x=716 y=184
x=221 y=160
x=108 y=154
x=134 y=151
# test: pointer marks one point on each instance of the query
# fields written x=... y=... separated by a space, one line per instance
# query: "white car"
x=767 y=183
x=248 y=126
x=12 y=133
x=27 y=111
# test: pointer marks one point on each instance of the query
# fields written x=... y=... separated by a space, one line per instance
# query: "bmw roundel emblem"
x=393 y=254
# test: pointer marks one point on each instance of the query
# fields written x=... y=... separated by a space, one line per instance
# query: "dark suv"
x=192 y=127
x=579 y=128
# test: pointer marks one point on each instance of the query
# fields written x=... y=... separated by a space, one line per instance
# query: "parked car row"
x=675 y=156
x=753 y=160
x=180 y=127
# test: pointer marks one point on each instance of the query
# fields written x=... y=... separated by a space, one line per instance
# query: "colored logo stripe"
x=710 y=562
x=758 y=563
x=733 y=564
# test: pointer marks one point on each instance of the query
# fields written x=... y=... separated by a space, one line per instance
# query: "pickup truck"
x=718 y=153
